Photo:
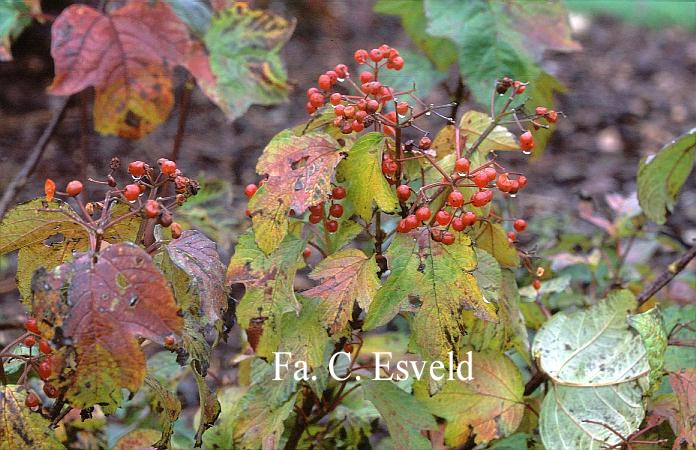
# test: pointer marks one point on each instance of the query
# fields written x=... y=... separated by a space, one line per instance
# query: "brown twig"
x=32 y=160
x=84 y=136
x=183 y=114
x=667 y=276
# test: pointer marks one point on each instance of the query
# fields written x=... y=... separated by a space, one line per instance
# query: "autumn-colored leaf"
x=684 y=386
x=299 y=171
x=128 y=55
x=169 y=408
x=20 y=428
x=347 y=276
x=140 y=439
x=474 y=123
x=492 y=404
x=493 y=239
x=244 y=47
x=120 y=297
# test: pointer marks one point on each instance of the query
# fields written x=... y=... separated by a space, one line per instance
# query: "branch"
x=183 y=114
x=667 y=276
x=33 y=159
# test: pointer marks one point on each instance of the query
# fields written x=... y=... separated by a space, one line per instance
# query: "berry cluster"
x=41 y=364
x=365 y=106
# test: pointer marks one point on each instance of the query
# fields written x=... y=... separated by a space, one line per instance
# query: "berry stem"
x=665 y=277
x=494 y=123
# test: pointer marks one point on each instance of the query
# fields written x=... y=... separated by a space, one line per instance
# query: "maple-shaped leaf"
x=299 y=171
x=347 y=276
x=490 y=406
x=120 y=297
x=20 y=427
x=365 y=182
x=128 y=55
x=244 y=46
x=269 y=287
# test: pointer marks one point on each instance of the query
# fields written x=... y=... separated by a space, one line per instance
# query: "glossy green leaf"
x=661 y=177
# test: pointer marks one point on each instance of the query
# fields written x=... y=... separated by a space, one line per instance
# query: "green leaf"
x=566 y=410
x=651 y=328
x=304 y=336
x=541 y=91
x=447 y=287
x=32 y=223
x=299 y=171
x=441 y=52
x=418 y=71
x=594 y=346
x=366 y=184
x=196 y=14
x=168 y=406
x=20 y=428
x=487 y=275
x=13 y=365
x=661 y=177
x=220 y=436
x=14 y=17
x=492 y=404
x=474 y=123
x=678 y=357
x=347 y=231
x=493 y=239
x=347 y=276
x=404 y=415
x=244 y=46
x=550 y=286
x=209 y=404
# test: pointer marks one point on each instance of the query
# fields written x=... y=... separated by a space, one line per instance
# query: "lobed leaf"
x=366 y=184
x=346 y=277
x=490 y=406
x=592 y=347
x=244 y=46
x=404 y=415
x=20 y=428
x=661 y=177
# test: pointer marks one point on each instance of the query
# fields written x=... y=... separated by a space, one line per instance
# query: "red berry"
x=307 y=252
x=45 y=347
x=29 y=341
x=336 y=210
x=391 y=116
x=385 y=49
x=247 y=212
x=357 y=126
x=250 y=190
x=315 y=218
x=372 y=106
x=447 y=238
x=316 y=100
x=31 y=326
x=389 y=167
x=402 y=226
x=527 y=141
x=522 y=181
x=396 y=63
x=324 y=82
x=519 y=87
x=169 y=341
x=50 y=390
x=176 y=230
x=403 y=192
x=341 y=70
x=360 y=56
x=455 y=199
x=360 y=116
x=152 y=209
x=366 y=77
x=443 y=217
x=511 y=236
x=436 y=235
x=536 y=284
x=331 y=226
x=338 y=110
x=481 y=198
x=317 y=209
x=349 y=112
x=386 y=94
x=462 y=165
x=32 y=401
x=458 y=224
x=136 y=168
x=520 y=225
x=311 y=91
x=490 y=173
x=375 y=87
x=540 y=110
x=552 y=116
x=44 y=370
x=333 y=77
x=411 y=221
x=168 y=167
x=131 y=192
x=74 y=188
x=348 y=348
x=338 y=193
x=425 y=142
x=423 y=213
x=49 y=189
x=335 y=98
x=376 y=55
x=481 y=179
x=310 y=108
x=469 y=218
x=402 y=108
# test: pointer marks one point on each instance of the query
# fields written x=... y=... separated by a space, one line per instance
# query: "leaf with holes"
x=299 y=171
x=20 y=428
x=592 y=347
x=120 y=297
x=405 y=415
x=244 y=47
x=366 y=185
x=490 y=406
x=346 y=277
x=661 y=177
x=128 y=55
